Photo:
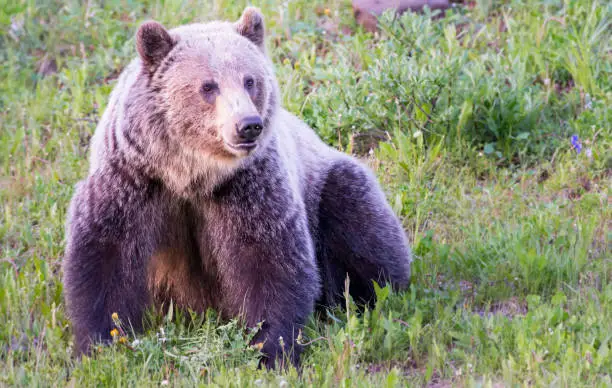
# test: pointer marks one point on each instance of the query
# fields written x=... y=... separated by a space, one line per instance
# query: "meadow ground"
x=470 y=121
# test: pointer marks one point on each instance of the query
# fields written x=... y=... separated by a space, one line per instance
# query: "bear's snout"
x=249 y=128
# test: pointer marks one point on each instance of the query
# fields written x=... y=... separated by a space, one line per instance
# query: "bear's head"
x=213 y=82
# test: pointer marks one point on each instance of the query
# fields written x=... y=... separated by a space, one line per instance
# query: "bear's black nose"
x=249 y=128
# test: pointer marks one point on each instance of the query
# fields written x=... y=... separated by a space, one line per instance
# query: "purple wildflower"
x=576 y=144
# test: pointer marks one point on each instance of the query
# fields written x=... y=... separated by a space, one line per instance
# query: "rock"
x=367 y=11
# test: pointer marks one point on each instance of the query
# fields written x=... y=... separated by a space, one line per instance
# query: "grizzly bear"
x=203 y=191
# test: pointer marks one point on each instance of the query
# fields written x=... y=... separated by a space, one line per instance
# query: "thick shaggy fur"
x=172 y=210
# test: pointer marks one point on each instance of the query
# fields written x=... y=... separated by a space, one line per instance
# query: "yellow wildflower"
x=327 y=12
x=115 y=316
x=123 y=340
x=114 y=333
x=258 y=346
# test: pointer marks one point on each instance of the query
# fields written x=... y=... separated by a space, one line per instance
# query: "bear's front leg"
x=111 y=227
x=266 y=264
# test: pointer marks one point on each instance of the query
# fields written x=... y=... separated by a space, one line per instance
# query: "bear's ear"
x=251 y=26
x=153 y=43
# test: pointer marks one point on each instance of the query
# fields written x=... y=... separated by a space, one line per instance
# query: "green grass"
x=469 y=119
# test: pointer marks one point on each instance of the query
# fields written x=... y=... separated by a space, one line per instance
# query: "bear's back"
x=110 y=120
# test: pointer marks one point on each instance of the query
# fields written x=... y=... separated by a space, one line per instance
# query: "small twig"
x=127 y=345
x=595 y=135
x=41 y=160
x=313 y=341
x=419 y=107
x=402 y=322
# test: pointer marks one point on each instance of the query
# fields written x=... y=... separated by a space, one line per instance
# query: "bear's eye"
x=249 y=83
x=209 y=87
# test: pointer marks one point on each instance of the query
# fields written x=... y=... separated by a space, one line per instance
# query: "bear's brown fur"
x=203 y=190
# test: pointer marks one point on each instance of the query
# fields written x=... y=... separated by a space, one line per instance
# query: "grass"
x=468 y=118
